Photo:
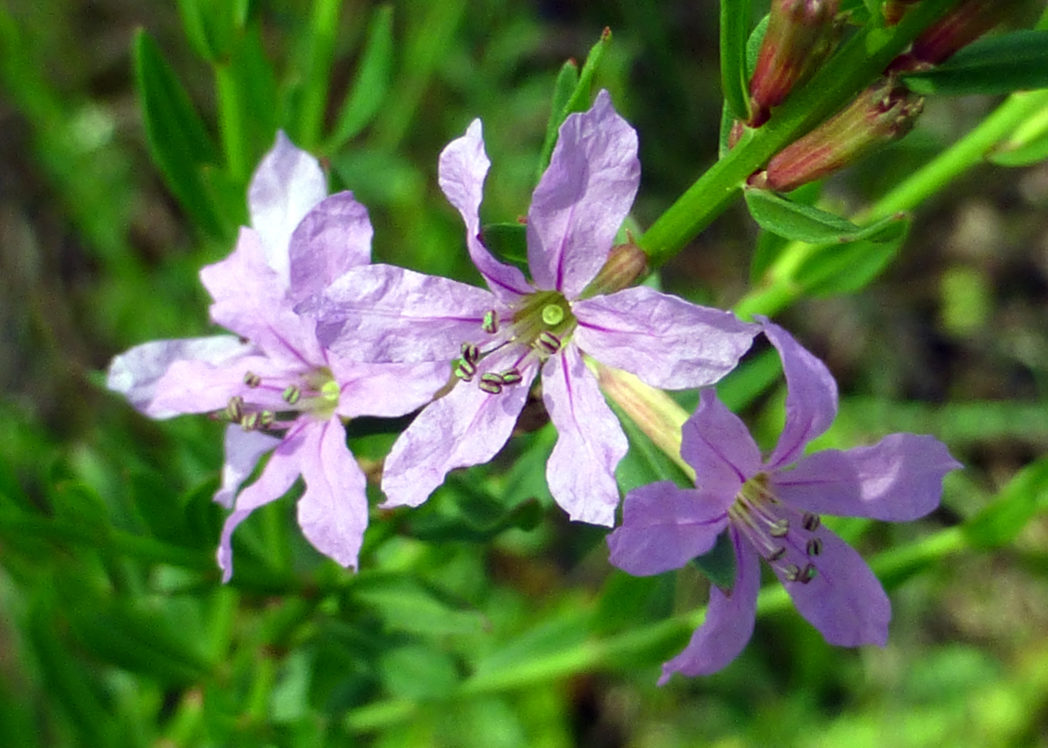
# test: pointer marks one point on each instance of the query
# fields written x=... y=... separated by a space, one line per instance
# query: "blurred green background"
x=478 y=619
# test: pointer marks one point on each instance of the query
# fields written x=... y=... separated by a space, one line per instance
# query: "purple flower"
x=506 y=336
x=770 y=507
x=273 y=381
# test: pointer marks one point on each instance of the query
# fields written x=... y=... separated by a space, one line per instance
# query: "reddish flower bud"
x=800 y=35
x=894 y=10
x=626 y=263
x=961 y=26
x=883 y=112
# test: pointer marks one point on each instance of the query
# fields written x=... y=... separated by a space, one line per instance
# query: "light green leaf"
x=848 y=267
x=1000 y=521
x=806 y=223
x=371 y=84
x=406 y=605
x=734 y=25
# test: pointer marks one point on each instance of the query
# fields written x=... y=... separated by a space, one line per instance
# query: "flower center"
x=538 y=327
x=784 y=537
x=271 y=404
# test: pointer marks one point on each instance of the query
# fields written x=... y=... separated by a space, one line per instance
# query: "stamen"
x=252 y=380
x=492 y=388
x=791 y=572
x=490 y=324
x=777 y=554
x=547 y=342
x=779 y=528
x=808 y=573
x=814 y=547
x=552 y=314
x=492 y=377
x=250 y=421
x=266 y=419
x=511 y=376
x=470 y=353
x=235 y=408
x=811 y=521
x=291 y=394
x=465 y=370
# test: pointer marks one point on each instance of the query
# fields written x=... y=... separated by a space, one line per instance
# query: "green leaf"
x=753 y=46
x=178 y=141
x=577 y=101
x=998 y=523
x=508 y=242
x=418 y=672
x=1027 y=145
x=848 y=267
x=718 y=564
x=734 y=24
x=806 y=223
x=406 y=605
x=371 y=85
x=993 y=65
x=770 y=245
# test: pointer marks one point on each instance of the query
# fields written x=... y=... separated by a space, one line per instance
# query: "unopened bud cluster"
x=800 y=35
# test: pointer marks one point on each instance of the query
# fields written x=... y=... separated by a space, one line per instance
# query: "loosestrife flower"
x=770 y=508
x=281 y=391
x=506 y=336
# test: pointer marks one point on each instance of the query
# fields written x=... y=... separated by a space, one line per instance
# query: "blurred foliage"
x=483 y=617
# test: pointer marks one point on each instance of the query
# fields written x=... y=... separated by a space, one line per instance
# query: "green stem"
x=781 y=289
x=859 y=61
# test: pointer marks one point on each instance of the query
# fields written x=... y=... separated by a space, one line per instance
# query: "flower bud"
x=625 y=264
x=894 y=10
x=961 y=26
x=883 y=112
x=800 y=35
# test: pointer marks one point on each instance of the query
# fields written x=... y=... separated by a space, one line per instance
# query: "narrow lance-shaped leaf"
x=1028 y=144
x=734 y=22
x=806 y=223
x=563 y=88
x=177 y=138
x=580 y=97
x=994 y=65
x=371 y=84
x=845 y=268
x=1000 y=521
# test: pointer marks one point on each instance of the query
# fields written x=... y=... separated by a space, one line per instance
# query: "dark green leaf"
x=507 y=241
x=719 y=563
x=1000 y=521
x=178 y=140
x=806 y=223
x=418 y=672
x=371 y=84
x=848 y=267
x=753 y=46
x=993 y=65
x=406 y=605
x=769 y=244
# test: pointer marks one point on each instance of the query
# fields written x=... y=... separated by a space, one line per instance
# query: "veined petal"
x=897 y=480
x=462 y=170
x=332 y=238
x=668 y=342
x=811 y=396
x=729 y=620
x=243 y=449
x=590 y=441
x=844 y=600
x=582 y=198
x=252 y=301
x=664 y=527
x=718 y=445
x=200 y=386
x=465 y=427
x=136 y=372
x=387 y=313
x=286 y=185
x=277 y=477
x=387 y=390
x=333 y=511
